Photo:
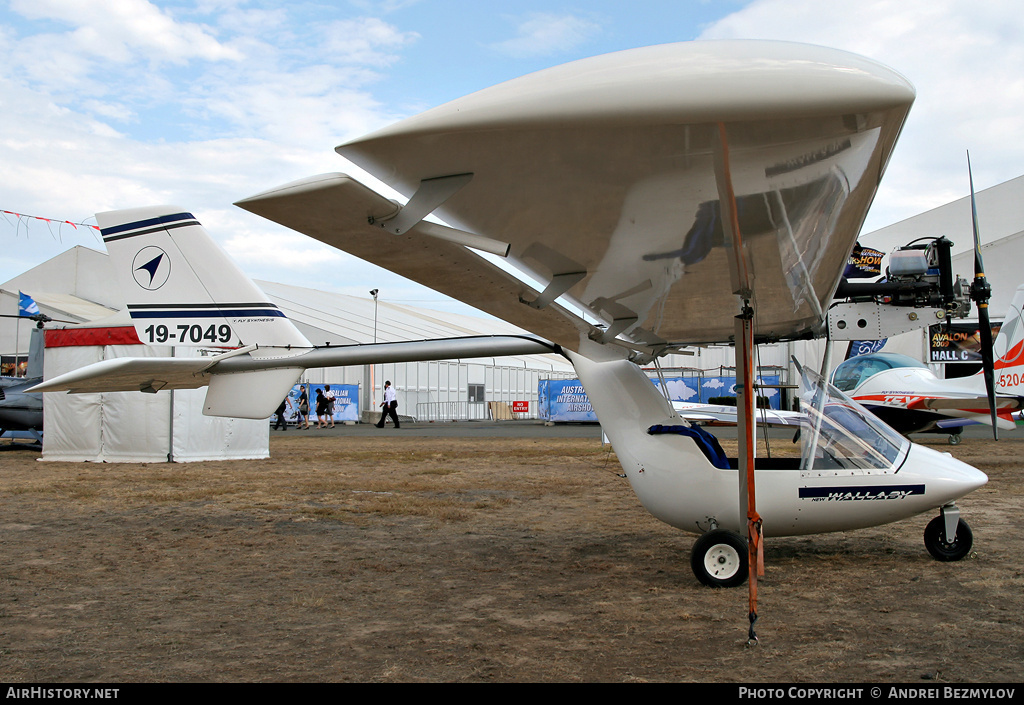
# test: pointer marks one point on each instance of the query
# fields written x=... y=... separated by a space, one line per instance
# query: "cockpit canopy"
x=839 y=433
x=851 y=373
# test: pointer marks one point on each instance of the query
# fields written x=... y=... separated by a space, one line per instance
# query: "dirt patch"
x=429 y=559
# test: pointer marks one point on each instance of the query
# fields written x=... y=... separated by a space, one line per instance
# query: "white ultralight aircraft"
x=908 y=396
x=702 y=192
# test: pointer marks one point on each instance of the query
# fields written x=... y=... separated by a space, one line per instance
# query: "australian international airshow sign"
x=564 y=400
x=346 y=401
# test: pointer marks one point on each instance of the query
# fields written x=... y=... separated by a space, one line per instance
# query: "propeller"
x=981 y=291
x=39 y=318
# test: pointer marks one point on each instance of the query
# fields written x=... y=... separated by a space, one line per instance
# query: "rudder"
x=1009 y=349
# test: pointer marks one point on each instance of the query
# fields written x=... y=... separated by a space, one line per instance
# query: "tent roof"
x=1000 y=215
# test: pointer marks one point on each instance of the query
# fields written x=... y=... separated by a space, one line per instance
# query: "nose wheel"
x=938 y=541
x=719 y=559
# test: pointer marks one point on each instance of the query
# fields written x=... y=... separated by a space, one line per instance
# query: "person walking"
x=329 y=397
x=389 y=407
x=303 y=407
x=281 y=421
x=321 y=408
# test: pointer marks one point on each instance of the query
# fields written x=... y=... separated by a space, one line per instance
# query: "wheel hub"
x=722 y=561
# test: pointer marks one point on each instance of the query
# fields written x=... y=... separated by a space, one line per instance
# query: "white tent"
x=128 y=427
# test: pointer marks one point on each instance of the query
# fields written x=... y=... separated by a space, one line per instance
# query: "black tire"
x=719 y=559
x=943 y=550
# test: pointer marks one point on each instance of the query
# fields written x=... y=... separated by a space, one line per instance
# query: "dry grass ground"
x=423 y=559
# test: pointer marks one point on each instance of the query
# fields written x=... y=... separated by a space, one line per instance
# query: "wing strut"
x=742 y=279
x=432 y=194
x=748 y=503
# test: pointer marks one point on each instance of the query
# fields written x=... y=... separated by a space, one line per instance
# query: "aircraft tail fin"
x=34 y=368
x=1009 y=349
x=182 y=288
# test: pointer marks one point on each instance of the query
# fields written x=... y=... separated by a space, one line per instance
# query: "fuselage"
x=679 y=485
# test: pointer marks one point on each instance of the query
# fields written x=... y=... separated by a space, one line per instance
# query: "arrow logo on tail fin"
x=151 y=268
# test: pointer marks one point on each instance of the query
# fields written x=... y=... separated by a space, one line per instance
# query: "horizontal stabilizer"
x=131 y=374
x=968 y=404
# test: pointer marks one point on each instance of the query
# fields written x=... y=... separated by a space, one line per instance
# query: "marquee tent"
x=129 y=427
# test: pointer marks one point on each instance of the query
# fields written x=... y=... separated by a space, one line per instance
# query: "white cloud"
x=365 y=41
x=545 y=34
x=81 y=132
x=383 y=6
x=965 y=61
x=123 y=30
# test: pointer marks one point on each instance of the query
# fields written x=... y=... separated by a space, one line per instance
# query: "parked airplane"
x=677 y=194
x=908 y=396
x=21 y=410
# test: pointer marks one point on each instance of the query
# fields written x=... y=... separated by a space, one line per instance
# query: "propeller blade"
x=981 y=291
x=37 y=318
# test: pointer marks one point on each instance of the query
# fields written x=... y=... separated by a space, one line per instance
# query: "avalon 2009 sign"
x=958 y=342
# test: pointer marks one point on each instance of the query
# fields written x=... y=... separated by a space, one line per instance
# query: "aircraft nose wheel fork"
x=941 y=548
x=719 y=559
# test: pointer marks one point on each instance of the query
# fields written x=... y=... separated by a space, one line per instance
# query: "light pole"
x=373 y=386
x=373 y=293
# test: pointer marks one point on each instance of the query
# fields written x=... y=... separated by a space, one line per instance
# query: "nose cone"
x=945 y=478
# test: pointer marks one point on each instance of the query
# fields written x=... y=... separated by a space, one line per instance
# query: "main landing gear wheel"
x=719 y=559
x=943 y=550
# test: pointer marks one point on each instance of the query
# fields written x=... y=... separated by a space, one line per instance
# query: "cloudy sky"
x=108 y=104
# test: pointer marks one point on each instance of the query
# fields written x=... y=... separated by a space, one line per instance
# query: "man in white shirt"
x=389 y=406
x=329 y=396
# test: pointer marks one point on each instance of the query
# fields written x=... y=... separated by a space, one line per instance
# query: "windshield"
x=840 y=433
x=849 y=375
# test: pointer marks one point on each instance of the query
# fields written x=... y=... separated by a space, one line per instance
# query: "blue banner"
x=864 y=347
x=565 y=401
x=681 y=388
x=726 y=387
x=346 y=401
